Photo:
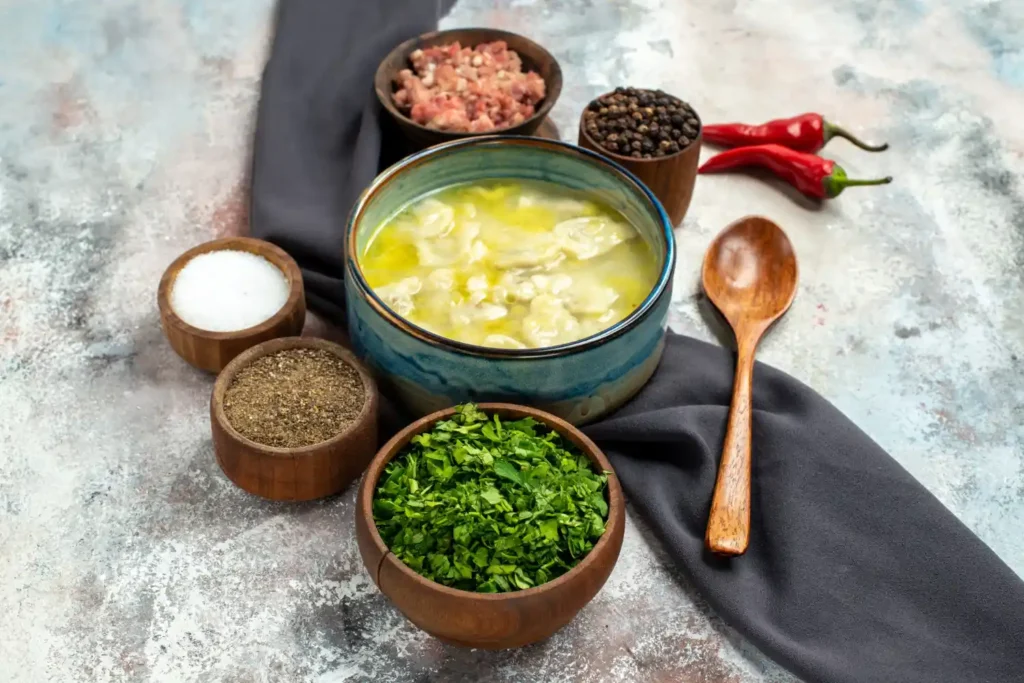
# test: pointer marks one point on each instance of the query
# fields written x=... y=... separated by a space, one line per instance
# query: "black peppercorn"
x=640 y=123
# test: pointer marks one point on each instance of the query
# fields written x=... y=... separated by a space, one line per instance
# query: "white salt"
x=228 y=290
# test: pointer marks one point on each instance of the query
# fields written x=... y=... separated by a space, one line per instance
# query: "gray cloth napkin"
x=855 y=573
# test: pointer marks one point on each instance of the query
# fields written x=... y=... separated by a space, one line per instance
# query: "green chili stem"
x=837 y=181
x=834 y=131
x=851 y=182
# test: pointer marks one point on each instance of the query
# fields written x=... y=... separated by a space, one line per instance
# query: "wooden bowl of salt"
x=225 y=296
x=294 y=419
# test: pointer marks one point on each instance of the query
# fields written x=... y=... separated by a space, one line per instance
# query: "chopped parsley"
x=490 y=506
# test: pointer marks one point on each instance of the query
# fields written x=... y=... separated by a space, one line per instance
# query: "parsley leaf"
x=491 y=506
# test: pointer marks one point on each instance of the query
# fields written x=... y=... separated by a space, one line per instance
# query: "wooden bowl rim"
x=277 y=256
x=552 y=90
x=634 y=160
x=616 y=501
x=227 y=375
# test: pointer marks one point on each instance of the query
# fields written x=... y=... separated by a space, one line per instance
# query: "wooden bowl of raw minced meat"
x=437 y=92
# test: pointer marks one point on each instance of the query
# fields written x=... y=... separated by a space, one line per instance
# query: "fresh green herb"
x=490 y=506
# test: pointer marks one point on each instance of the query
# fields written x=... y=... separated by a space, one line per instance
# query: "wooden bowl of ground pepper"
x=654 y=135
x=294 y=419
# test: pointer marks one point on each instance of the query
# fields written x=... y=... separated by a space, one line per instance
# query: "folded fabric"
x=855 y=573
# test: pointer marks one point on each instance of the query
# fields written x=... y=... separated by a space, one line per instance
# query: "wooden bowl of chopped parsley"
x=490 y=526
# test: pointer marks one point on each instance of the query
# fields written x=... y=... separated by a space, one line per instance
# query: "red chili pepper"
x=812 y=175
x=804 y=133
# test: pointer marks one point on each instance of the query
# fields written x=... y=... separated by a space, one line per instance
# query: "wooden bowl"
x=488 y=620
x=671 y=178
x=534 y=58
x=303 y=473
x=212 y=351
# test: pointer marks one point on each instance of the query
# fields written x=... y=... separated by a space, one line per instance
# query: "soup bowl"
x=578 y=381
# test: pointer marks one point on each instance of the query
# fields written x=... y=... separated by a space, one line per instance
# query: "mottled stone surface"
x=125 y=555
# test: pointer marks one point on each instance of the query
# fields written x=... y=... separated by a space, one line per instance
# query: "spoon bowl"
x=750 y=271
x=750 y=275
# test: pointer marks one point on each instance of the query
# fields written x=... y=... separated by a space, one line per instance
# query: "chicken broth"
x=510 y=264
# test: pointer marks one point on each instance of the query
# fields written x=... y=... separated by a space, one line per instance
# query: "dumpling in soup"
x=510 y=265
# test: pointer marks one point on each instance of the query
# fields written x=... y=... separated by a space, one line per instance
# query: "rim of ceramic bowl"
x=554 y=146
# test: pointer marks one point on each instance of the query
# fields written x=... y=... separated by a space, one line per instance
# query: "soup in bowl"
x=510 y=269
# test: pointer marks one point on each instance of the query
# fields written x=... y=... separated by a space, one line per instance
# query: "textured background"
x=124 y=552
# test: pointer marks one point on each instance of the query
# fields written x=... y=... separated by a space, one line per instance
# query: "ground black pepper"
x=642 y=124
x=293 y=398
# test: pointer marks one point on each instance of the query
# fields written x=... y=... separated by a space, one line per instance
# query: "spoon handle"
x=729 y=523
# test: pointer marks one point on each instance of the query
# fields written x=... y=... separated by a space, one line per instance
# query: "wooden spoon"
x=750 y=274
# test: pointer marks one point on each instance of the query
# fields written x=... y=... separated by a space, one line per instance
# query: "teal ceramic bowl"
x=578 y=381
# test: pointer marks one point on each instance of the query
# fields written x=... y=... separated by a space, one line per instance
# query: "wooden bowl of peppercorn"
x=490 y=621
x=294 y=419
x=652 y=134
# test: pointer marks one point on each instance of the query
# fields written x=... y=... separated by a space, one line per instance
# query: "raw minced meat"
x=474 y=90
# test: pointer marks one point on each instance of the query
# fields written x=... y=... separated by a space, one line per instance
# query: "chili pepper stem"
x=837 y=182
x=872 y=181
x=831 y=130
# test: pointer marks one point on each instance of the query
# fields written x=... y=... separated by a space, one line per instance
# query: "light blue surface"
x=579 y=381
x=126 y=555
